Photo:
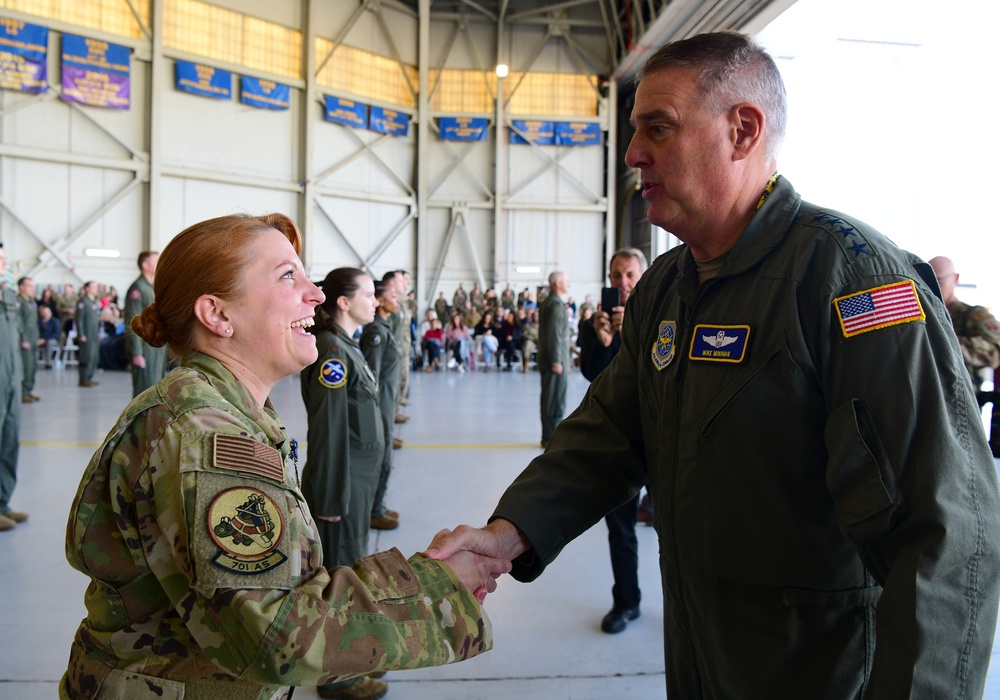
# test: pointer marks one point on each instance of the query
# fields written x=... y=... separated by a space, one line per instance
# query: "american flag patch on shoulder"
x=246 y=455
x=879 y=307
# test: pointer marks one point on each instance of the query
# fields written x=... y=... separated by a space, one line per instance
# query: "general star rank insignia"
x=247 y=526
x=333 y=374
x=663 y=346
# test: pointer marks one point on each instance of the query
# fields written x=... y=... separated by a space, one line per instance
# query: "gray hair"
x=554 y=276
x=733 y=69
x=630 y=253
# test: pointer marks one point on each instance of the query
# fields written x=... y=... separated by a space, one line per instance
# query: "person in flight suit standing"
x=10 y=402
x=553 y=354
x=384 y=354
x=790 y=386
x=149 y=364
x=88 y=324
x=27 y=316
x=345 y=437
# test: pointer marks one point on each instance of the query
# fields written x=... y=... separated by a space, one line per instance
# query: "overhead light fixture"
x=528 y=269
x=501 y=70
x=102 y=253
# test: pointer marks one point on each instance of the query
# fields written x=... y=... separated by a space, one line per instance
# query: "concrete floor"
x=469 y=436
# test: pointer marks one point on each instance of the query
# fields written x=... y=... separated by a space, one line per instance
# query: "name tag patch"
x=719 y=343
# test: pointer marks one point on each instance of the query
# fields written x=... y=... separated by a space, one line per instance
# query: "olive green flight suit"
x=553 y=347
x=10 y=397
x=382 y=350
x=826 y=504
x=139 y=296
x=346 y=443
x=27 y=316
x=88 y=325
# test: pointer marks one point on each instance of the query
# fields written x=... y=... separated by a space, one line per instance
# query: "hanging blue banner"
x=578 y=133
x=386 y=121
x=95 y=72
x=23 y=52
x=203 y=80
x=464 y=128
x=346 y=112
x=540 y=133
x=266 y=94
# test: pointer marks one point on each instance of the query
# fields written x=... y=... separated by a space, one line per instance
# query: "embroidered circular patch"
x=247 y=526
x=135 y=295
x=333 y=374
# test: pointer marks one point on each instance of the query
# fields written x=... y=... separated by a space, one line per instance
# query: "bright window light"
x=528 y=269
x=101 y=253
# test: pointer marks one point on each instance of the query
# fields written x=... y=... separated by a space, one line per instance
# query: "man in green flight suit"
x=10 y=402
x=27 y=319
x=88 y=324
x=789 y=382
x=553 y=354
x=149 y=364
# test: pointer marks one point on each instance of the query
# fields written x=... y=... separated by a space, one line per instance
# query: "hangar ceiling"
x=630 y=30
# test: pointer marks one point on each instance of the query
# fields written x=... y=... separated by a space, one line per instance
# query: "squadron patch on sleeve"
x=664 y=347
x=376 y=339
x=719 y=343
x=333 y=374
x=879 y=307
x=246 y=524
x=135 y=295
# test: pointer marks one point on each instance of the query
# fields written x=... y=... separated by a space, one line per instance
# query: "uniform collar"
x=765 y=232
x=238 y=396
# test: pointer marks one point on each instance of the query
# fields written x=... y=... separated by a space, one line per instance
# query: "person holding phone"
x=600 y=340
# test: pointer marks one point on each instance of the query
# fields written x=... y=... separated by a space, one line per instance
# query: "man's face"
x=682 y=152
x=27 y=289
x=149 y=265
x=625 y=272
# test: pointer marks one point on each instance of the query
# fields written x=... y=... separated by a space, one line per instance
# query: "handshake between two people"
x=479 y=556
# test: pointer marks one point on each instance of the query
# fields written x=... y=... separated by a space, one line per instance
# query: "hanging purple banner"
x=464 y=128
x=23 y=51
x=346 y=112
x=578 y=133
x=95 y=72
x=266 y=94
x=536 y=132
x=203 y=80
x=386 y=121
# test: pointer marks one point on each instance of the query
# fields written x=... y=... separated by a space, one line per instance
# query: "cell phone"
x=610 y=298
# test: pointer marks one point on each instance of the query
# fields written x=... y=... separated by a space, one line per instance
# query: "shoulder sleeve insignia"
x=247 y=455
x=333 y=374
x=135 y=294
x=663 y=346
x=246 y=525
x=376 y=339
x=879 y=307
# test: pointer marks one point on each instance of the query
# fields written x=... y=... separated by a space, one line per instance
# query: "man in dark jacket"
x=790 y=385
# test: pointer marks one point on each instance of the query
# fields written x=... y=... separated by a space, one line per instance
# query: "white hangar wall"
x=74 y=177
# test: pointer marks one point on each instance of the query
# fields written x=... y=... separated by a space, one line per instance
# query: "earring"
x=228 y=331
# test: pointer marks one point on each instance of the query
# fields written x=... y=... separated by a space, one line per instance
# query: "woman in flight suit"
x=345 y=432
x=384 y=355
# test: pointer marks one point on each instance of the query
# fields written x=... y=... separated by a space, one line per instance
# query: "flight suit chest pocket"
x=366 y=419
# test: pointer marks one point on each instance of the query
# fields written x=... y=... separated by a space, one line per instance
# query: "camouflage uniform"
x=88 y=325
x=441 y=309
x=346 y=444
x=979 y=335
x=207 y=576
x=553 y=347
x=27 y=317
x=384 y=355
x=10 y=397
x=139 y=296
x=458 y=301
x=507 y=299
